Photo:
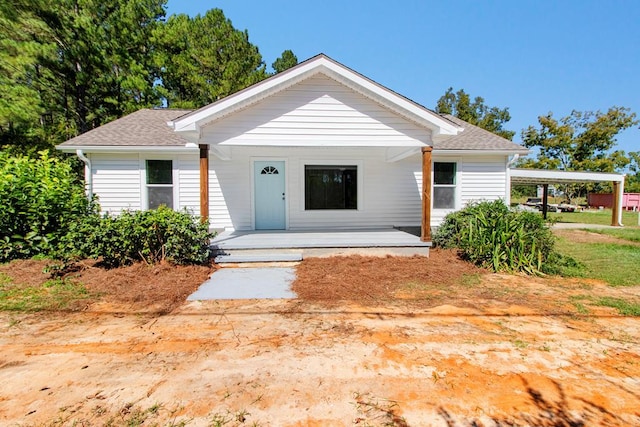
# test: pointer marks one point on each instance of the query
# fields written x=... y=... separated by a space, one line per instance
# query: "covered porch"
x=287 y=239
x=287 y=245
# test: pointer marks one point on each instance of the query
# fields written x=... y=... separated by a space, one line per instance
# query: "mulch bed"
x=155 y=288
x=370 y=279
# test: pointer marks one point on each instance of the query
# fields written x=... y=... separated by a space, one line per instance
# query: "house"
x=318 y=146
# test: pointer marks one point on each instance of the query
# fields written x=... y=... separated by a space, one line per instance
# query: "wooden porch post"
x=545 y=199
x=425 y=234
x=616 y=208
x=204 y=182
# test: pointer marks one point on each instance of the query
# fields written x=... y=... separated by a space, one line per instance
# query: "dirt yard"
x=406 y=350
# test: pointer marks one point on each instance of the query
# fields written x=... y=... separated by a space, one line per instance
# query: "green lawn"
x=616 y=264
x=603 y=217
x=626 y=233
x=55 y=294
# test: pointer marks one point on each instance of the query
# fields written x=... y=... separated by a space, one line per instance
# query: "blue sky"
x=533 y=57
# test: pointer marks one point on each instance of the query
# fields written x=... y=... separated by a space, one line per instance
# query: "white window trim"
x=175 y=175
x=457 y=190
x=359 y=164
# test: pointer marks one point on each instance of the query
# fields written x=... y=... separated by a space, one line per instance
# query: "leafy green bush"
x=40 y=198
x=150 y=236
x=490 y=235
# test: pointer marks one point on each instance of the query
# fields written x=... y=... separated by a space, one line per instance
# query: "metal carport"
x=545 y=177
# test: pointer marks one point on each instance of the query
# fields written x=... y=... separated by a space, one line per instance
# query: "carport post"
x=425 y=231
x=616 y=209
x=545 y=199
x=204 y=182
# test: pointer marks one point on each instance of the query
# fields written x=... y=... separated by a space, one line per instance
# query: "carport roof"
x=544 y=176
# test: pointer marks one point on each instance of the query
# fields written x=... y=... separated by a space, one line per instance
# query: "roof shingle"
x=148 y=127
x=475 y=138
x=145 y=127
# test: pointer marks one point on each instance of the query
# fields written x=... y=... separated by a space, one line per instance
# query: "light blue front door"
x=270 y=195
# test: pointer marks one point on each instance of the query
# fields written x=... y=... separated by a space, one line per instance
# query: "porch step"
x=246 y=257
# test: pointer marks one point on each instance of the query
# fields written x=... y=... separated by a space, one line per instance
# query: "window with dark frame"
x=159 y=183
x=444 y=185
x=330 y=187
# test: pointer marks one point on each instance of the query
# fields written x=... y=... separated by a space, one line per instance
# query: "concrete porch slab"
x=287 y=239
x=247 y=283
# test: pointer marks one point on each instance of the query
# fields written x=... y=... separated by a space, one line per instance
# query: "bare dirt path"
x=290 y=363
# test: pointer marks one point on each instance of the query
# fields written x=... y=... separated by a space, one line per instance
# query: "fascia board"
x=576 y=176
x=480 y=152
x=125 y=148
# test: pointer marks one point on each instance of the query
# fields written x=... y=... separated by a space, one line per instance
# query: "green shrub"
x=40 y=198
x=490 y=235
x=151 y=236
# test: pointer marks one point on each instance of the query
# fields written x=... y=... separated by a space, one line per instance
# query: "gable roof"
x=475 y=138
x=440 y=126
x=174 y=128
x=146 y=127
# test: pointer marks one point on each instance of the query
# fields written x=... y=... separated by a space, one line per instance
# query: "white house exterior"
x=318 y=146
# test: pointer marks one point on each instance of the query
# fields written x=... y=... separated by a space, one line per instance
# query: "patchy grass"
x=631 y=234
x=602 y=217
x=55 y=294
x=624 y=307
x=616 y=264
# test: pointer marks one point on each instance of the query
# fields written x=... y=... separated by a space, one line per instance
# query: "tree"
x=72 y=65
x=287 y=60
x=203 y=59
x=459 y=104
x=581 y=141
x=632 y=182
x=20 y=51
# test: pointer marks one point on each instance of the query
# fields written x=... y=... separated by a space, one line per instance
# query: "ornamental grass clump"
x=492 y=236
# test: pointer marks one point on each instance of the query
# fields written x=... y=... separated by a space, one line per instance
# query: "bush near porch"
x=490 y=235
x=45 y=212
x=151 y=236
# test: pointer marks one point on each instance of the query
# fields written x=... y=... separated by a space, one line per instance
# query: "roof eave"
x=125 y=148
x=477 y=151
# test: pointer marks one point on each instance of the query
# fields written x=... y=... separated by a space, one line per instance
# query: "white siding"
x=189 y=182
x=483 y=178
x=317 y=111
x=116 y=181
x=388 y=194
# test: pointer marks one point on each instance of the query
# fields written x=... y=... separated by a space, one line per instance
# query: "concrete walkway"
x=577 y=225
x=247 y=283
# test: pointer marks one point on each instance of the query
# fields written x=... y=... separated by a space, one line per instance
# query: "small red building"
x=630 y=201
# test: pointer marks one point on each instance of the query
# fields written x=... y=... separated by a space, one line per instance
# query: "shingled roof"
x=148 y=128
x=145 y=127
x=475 y=138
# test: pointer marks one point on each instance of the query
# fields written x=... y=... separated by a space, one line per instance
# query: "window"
x=444 y=185
x=330 y=187
x=159 y=183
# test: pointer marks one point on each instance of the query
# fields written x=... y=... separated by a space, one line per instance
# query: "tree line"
x=69 y=66
x=581 y=141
